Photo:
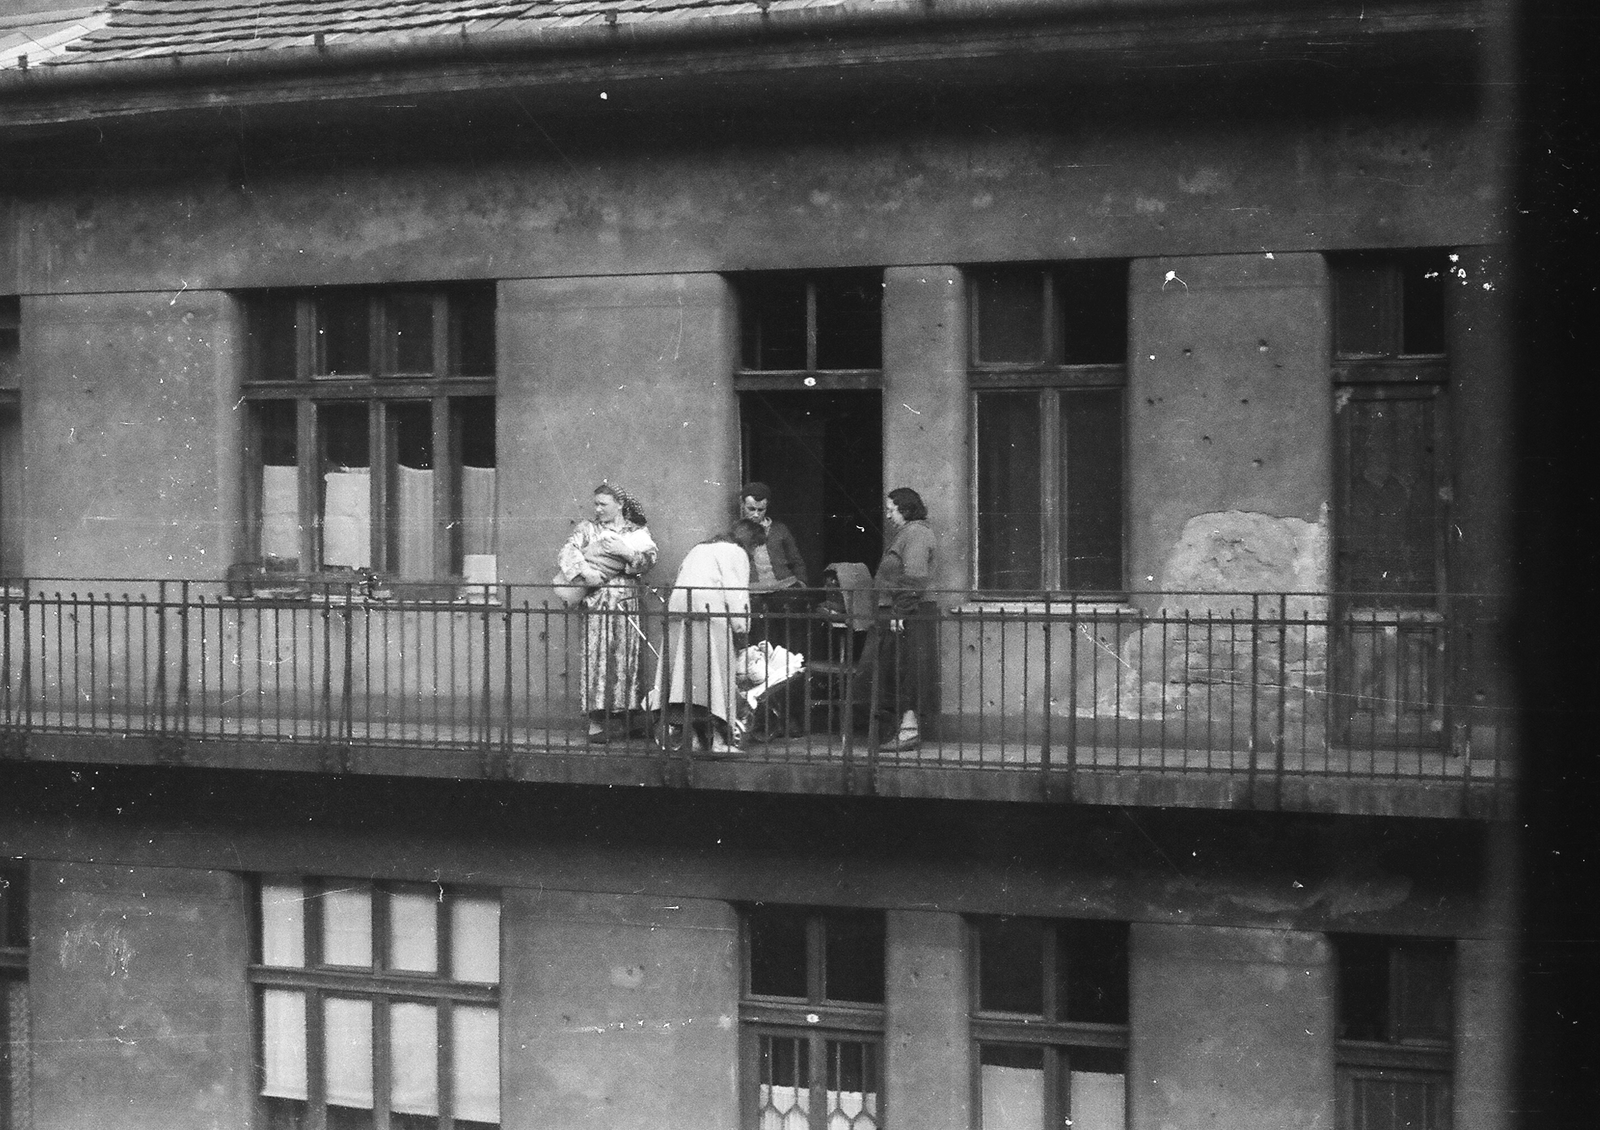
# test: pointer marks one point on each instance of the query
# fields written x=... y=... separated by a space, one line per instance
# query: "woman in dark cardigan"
x=908 y=636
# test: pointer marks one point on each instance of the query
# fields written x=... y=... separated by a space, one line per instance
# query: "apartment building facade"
x=318 y=325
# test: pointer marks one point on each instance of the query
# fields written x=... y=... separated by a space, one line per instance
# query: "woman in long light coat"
x=708 y=620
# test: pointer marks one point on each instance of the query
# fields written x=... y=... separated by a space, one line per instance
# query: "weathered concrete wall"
x=928 y=1053
x=925 y=405
x=141 y=1013
x=1062 y=177
x=624 y=379
x=1485 y=1009
x=1229 y=433
x=619 y=1012
x=130 y=435
x=1229 y=1028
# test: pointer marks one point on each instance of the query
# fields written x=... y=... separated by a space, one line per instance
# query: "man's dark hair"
x=758 y=491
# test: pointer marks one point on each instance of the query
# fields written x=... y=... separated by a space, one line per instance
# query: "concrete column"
x=925 y=405
x=928 y=1071
x=1229 y=423
x=622 y=378
x=1230 y=1027
x=1486 y=978
x=618 y=1012
x=105 y=374
x=141 y=1011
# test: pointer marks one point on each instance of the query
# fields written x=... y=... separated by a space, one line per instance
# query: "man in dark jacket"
x=779 y=565
x=779 y=604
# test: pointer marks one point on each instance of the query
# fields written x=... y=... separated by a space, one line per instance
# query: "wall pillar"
x=928 y=1062
x=618 y=1012
x=621 y=379
x=141 y=1011
x=1486 y=978
x=1230 y=1027
x=925 y=405
x=1230 y=463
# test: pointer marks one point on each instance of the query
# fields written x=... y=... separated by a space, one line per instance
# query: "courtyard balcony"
x=1292 y=701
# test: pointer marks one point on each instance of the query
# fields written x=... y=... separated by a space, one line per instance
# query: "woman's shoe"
x=902 y=743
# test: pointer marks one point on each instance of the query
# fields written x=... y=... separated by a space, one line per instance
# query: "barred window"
x=1050 y=1023
x=1395 y=1031
x=1047 y=372
x=812 y=1019
x=378 y=1005
x=15 y=1100
x=372 y=430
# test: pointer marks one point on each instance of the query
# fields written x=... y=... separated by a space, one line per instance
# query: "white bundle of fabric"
x=764 y=665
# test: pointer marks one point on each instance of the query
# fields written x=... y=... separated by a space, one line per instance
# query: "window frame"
x=1052 y=380
x=1397 y=1057
x=375 y=983
x=811 y=376
x=815 y=1017
x=383 y=391
x=1047 y=1030
x=15 y=1058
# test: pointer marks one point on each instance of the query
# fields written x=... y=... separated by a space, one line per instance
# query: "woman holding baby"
x=607 y=556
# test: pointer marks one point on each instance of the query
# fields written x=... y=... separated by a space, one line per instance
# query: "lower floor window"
x=1389 y=1098
x=817 y=1080
x=1038 y=1087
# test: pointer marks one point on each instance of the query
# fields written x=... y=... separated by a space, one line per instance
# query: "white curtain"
x=476 y=1071
x=347 y=1051
x=414 y=1058
x=413 y=931
x=1013 y=1098
x=475 y=940
x=283 y=925
x=347 y=518
x=283 y=1044
x=280 y=512
x=414 y=513
x=1098 y=1101
x=347 y=926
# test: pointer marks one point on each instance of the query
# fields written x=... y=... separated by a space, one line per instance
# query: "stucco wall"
x=141 y=1014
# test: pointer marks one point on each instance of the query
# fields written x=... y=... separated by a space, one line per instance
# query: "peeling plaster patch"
x=1238 y=551
x=627 y=976
x=1206 y=181
x=1148 y=206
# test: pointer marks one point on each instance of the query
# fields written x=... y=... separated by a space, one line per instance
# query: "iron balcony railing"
x=1255 y=686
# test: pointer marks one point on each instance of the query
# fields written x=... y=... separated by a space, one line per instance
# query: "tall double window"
x=812 y=1019
x=1395 y=1032
x=1047 y=369
x=1050 y=1023
x=15 y=1105
x=378 y=1005
x=372 y=430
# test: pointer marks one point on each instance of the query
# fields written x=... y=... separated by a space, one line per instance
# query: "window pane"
x=784 y=1095
x=475 y=1073
x=1363 y=964
x=1011 y=965
x=853 y=956
x=1423 y=992
x=473 y=425
x=475 y=940
x=347 y=1051
x=283 y=1043
x=414 y=929
x=409 y=327
x=1384 y=1100
x=1365 y=309
x=1392 y=517
x=280 y=482
x=414 y=1058
x=1092 y=962
x=346 y=485
x=850 y=321
x=347 y=926
x=272 y=334
x=473 y=331
x=852 y=1085
x=1422 y=281
x=1009 y=494
x=1098 y=1090
x=772 y=323
x=15 y=1053
x=1011 y=317
x=1091 y=490
x=1012 y=1082
x=283 y=924
x=343 y=347
x=778 y=952
x=411 y=491
x=1093 y=298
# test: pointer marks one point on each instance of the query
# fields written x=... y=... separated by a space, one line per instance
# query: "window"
x=1394 y=1032
x=372 y=431
x=812 y=1019
x=1050 y=1023
x=10 y=436
x=15 y=1106
x=378 y=1005
x=1047 y=370
x=792 y=326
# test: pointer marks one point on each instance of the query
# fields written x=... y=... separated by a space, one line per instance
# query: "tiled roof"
x=133 y=29
x=28 y=40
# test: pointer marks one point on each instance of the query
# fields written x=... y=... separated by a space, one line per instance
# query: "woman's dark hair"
x=909 y=503
x=631 y=510
x=747 y=533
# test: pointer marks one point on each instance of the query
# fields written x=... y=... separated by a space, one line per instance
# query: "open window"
x=372 y=432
